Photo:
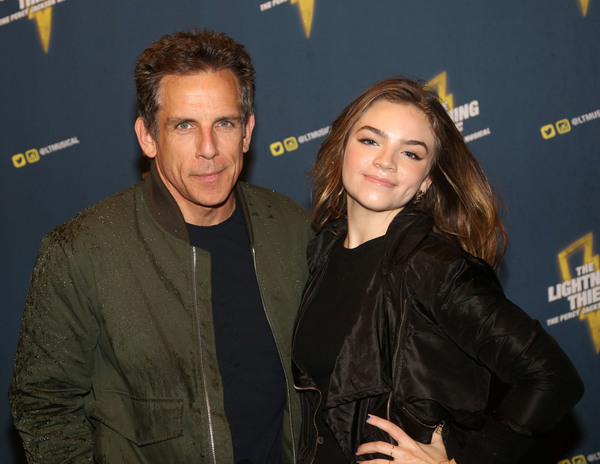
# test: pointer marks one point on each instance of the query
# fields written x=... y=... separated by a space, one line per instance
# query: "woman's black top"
x=328 y=318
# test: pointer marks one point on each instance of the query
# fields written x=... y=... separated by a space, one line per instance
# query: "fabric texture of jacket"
x=116 y=361
x=434 y=331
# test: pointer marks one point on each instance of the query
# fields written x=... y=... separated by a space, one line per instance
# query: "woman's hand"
x=407 y=451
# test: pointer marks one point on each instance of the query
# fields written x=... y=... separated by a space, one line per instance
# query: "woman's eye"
x=367 y=141
x=412 y=155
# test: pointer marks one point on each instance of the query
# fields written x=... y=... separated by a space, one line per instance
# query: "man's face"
x=201 y=142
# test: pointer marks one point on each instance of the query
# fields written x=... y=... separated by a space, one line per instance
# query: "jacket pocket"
x=418 y=426
x=140 y=420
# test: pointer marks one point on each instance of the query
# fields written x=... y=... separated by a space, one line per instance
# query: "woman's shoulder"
x=439 y=254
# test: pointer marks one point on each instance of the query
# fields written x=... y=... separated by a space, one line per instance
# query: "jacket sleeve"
x=54 y=360
x=543 y=384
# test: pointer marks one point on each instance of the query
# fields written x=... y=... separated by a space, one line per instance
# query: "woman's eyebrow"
x=383 y=135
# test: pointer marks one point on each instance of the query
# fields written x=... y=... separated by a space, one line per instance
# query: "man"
x=158 y=323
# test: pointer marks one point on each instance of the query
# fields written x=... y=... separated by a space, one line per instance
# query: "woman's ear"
x=425 y=184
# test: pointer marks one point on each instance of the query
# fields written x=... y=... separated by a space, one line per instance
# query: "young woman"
x=406 y=348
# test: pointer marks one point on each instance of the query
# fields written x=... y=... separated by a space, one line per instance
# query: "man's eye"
x=225 y=124
x=184 y=125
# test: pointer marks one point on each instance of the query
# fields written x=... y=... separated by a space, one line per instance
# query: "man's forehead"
x=221 y=77
x=222 y=74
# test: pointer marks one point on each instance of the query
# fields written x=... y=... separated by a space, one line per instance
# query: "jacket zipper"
x=314 y=418
x=300 y=314
x=201 y=349
x=285 y=374
x=420 y=422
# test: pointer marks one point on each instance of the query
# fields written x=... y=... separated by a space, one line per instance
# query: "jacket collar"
x=162 y=205
x=408 y=228
x=406 y=231
x=166 y=212
x=320 y=245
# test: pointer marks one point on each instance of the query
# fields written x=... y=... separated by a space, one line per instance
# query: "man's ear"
x=145 y=138
x=248 y=133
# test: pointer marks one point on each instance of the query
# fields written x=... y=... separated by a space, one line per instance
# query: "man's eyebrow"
x=236 y=118
x=383 y=135
x=174 y=121
x=177 y=120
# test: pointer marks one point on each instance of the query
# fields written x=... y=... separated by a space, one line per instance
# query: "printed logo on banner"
x=277 y=148
x=461 y=113
x=293 y=143
x=564 y=126
x=32 y=155
x=548 y=131
x=576 y=460
x=581 y=288
x=581 y=459
x=38 y=10
x=306 y=7
x=584 y=6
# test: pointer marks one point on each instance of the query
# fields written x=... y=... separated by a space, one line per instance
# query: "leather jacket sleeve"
x=543 y=384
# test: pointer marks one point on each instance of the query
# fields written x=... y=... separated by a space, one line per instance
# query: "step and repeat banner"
x=520 y=79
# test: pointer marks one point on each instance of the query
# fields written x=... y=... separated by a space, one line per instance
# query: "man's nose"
x=207 y=146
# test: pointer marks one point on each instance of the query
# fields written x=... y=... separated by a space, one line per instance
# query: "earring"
x=420 y=194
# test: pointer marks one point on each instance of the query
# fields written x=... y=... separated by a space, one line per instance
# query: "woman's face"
x=387 y=159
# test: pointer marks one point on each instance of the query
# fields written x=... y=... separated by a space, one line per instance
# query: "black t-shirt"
x=254 y=385
x=326 y=322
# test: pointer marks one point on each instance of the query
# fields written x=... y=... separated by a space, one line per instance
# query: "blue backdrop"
x=521 y=80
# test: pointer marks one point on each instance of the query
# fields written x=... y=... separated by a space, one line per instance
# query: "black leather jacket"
x=434 y=331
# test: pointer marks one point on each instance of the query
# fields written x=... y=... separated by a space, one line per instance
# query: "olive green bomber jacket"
x=116 y=361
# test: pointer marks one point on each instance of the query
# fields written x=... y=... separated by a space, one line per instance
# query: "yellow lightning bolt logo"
x=307 y=8
x=440 y=82
x=585 y=243
x=584 y=6
x=43 y=18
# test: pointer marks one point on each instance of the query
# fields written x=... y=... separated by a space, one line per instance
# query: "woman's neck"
x=364 y=226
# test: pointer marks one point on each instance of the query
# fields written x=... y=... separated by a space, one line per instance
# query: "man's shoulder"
x=261 y=197
x=113 y=212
